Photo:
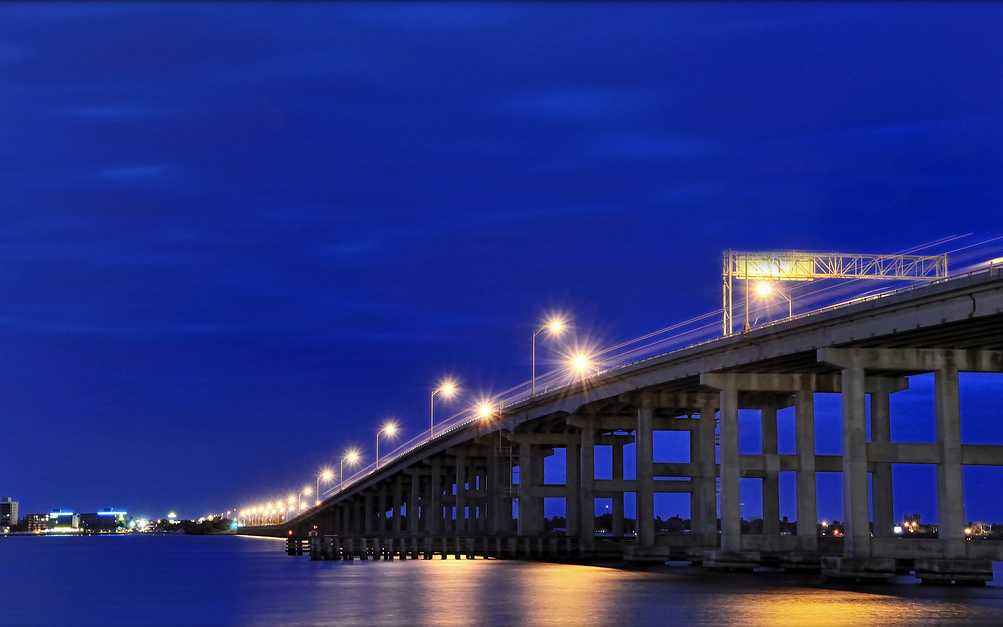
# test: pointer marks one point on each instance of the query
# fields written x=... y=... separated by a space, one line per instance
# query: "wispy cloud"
x=131 y=174
x=630 y=148
x=578 y=103
x=378 y=240
x=116 y=112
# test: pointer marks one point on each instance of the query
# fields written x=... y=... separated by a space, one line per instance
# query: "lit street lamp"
x=554 y=327
x=765 y=289
x=326 y=475
x=581 y=364
x=485 y=410
x=448 y=389
x=352 y=457
x=389 y=430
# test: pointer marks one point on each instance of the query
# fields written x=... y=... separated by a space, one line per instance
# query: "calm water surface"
x=182 y=580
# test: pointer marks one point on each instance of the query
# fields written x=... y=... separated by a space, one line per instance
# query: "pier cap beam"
x=913 y=359
x=794 y=382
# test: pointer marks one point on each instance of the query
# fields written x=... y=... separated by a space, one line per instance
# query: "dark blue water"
x=184 y=580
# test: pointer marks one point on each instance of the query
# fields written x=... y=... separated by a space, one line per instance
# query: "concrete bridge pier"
x=950 y=558
x=586 y=486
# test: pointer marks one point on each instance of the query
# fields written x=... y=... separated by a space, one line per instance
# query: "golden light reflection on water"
x=502 y=592
x=816 y=607
x=571 y=594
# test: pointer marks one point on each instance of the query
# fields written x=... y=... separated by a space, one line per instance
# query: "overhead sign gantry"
x=770 y=267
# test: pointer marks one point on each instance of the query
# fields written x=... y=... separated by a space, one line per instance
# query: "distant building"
x=105 y=521
x=8 y=513
x=35 y=523
x=60 y=520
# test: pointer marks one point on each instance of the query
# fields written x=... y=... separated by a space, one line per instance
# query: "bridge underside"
x=482 y=491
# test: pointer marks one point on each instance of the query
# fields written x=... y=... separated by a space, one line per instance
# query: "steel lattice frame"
x=808 y=266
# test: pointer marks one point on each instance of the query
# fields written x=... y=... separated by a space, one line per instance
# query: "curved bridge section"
x=478 y=489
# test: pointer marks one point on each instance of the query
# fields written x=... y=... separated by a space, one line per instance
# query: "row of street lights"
x=579 y=363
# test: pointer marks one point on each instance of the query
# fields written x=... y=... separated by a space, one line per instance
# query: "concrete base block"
x=954 y=571
x=801 y=562
x=858 y=568
x=731 y=560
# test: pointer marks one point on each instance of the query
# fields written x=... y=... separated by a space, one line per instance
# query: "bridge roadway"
x=455 y=494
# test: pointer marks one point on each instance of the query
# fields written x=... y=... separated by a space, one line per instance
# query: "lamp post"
x=389 y=430
x=352 y=457
x=554 y=327
x=448 y=389
x=306 y=492
x=326 y=475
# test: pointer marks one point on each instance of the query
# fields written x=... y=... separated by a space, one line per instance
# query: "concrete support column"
x=881 y=478
x=705 y=514
x=731 y=522
x=804 y=427
x=398 y=501
x=433 y=516
x=357 y=506
x=528 y=511
x=771 y=480
x=586 y=482
x=368 y=514
x=571 y=503
x=645 y=476
x=412 y=505
x=461 y=492
x=857 y=542
x=950 y=491
x=617 y=529
x=381 y=515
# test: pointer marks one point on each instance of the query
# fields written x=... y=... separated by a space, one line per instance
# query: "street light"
x=352 y=457
x=448 y=389
x=554 y=327
x=581 y=364
x=485 y=410
x=389 y=429
x=765 y=289
x=306 y=492
x=326 y=475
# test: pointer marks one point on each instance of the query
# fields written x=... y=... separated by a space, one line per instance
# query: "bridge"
x=455 y=493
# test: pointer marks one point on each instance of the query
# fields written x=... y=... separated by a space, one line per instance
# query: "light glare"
x=448 y=388
x=764 y=289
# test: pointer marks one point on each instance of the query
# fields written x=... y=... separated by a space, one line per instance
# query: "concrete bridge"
x=454 y=494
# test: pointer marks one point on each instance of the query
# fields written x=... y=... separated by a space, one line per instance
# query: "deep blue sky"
x=235 y=237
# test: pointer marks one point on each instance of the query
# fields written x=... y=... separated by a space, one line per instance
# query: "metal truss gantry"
x=808 y=266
